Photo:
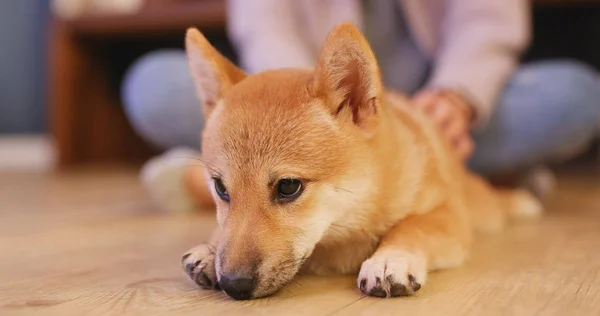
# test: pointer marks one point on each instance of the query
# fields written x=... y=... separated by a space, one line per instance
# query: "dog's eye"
x=289 y=189
x=221 y=190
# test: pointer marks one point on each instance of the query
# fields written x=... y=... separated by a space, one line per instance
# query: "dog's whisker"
x=211 y=248
x=295 y=259
x=209 y=165
x=338 y=226
x=204 y=163
x=342 y=189
x=297 y=282
x=290 y=264
x=199 y=166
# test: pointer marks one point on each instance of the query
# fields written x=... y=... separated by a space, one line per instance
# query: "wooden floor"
x=90 y=243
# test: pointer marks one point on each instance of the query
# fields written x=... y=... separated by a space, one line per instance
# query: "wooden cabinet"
x=88 y=57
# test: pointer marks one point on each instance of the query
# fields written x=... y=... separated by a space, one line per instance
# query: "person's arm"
x=266 y=34
x=481 y=42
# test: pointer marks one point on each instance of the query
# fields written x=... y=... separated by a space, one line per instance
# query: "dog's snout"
x=238 y=287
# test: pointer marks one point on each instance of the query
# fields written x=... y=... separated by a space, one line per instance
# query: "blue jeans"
x=548 y=111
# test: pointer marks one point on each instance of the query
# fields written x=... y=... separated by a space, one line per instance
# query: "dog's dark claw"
x=189 y=268
x=397 y=289
x=378 y=291
x=363 y=285
x=413 y=283
x=185 y=257
x=203 y=280
x=390 y=279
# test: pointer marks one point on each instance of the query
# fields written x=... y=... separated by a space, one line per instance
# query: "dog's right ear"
x=213 y=74
x=347 y=75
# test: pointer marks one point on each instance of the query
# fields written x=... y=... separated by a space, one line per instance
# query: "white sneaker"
x=541 y=182
x=163 y=178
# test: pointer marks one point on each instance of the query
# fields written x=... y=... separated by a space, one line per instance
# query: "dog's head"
x=287 y=154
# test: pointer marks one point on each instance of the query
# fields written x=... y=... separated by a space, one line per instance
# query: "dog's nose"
x=239 y=288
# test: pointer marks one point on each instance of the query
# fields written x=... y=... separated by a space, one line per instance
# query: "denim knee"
x=548 y=111
x=160 y=101
x=573 y=96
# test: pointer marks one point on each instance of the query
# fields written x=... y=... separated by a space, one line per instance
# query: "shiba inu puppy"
x=322 y=171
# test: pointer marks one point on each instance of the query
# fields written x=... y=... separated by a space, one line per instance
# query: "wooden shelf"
x=86 y=117
x=169 y=19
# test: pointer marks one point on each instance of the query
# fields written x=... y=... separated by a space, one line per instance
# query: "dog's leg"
x=492 y=208
x=199 y=263
x=419 y=243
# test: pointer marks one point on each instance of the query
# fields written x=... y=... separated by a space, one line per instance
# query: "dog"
x=322 y=171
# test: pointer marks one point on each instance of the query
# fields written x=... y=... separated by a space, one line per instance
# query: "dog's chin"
x=276 y=282
x=272 y=283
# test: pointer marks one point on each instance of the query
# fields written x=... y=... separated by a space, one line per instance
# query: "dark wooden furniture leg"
x=86 y=118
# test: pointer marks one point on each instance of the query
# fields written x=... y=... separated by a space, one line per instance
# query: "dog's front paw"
x=393 y=273
x=199 y=264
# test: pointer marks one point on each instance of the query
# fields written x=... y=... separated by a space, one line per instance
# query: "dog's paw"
x=391 y=274
x=199 y=264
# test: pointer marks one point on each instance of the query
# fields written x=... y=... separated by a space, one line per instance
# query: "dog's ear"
x=213 y=74
x=348 y=77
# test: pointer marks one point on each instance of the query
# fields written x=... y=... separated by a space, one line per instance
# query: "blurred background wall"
x=23 y=30
x=90 y=125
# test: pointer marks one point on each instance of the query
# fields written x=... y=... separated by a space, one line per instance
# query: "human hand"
x=452 y=113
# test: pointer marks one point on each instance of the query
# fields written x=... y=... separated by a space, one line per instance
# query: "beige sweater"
x=473 y=45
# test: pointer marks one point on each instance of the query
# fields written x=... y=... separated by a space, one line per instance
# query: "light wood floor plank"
x=90 y=243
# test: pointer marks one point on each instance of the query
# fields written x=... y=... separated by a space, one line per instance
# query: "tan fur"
x=384 y=197
x=196 y=184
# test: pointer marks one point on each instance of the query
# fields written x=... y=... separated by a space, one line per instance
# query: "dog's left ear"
x=348 y=77
x=213 y=74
